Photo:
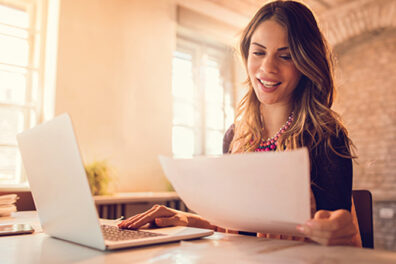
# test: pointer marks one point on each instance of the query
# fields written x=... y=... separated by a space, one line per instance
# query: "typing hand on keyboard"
x=158 y=215
x=162 y=216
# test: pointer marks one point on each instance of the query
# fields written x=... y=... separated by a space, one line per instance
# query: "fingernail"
x=300 y=228
x=309 y=223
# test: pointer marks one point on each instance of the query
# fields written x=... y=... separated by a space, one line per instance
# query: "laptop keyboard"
x=114 y=233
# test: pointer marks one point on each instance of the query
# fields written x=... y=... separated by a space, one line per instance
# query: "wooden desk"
x=218 y=248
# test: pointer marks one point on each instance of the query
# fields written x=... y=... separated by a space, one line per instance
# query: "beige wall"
x=114 y=78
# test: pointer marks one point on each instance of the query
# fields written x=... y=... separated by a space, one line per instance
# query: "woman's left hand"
x=331 y=228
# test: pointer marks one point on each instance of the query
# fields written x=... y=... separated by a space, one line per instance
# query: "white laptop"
x=61 y=193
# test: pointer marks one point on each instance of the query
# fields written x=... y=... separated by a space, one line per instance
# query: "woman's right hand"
x=162 y=216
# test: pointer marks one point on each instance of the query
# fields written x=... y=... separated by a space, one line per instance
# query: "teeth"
x=269 y=84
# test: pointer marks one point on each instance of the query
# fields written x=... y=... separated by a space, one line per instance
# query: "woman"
x=287 y=106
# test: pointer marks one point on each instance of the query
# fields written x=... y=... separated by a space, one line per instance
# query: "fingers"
x=147 y=217
x=230 y=231
x=330 y=221
x=144 y=215
x=334 y=241
x=127 y=222
x=170 y=221
x=322 y=214
x=330 y=228
x=220 y=229
x=161 y=211
x=327 y=237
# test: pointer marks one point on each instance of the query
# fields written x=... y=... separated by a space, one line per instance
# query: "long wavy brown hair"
x=314 y=121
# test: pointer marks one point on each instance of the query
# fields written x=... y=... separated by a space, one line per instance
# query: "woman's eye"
x=286 y=57
x=258 y=53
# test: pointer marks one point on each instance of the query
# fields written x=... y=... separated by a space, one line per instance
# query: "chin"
x=268 y=101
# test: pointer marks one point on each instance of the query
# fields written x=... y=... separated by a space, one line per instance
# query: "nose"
x=269 y=65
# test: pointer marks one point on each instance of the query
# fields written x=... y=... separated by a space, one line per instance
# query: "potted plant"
x=100 y=175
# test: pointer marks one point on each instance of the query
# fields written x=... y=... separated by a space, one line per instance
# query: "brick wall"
x=366 y=79
x=384 y=225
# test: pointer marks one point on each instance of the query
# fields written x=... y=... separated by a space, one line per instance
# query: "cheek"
x=249 y=66
x=294 y=75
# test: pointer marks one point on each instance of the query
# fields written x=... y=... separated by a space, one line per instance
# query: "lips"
x=268 y=85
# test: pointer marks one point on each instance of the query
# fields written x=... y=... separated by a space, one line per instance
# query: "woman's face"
x=270 y=67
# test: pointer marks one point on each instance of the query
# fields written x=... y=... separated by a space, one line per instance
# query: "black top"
x=331 y=175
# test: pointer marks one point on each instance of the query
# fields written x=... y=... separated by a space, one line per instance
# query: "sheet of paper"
x=266 y=192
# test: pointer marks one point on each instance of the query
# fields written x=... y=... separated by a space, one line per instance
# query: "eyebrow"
x=264 y=47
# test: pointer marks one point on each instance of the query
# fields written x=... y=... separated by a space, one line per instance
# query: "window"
x=20 y=79
x=202 y=98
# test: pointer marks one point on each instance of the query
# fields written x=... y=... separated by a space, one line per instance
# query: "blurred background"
x=143 y=78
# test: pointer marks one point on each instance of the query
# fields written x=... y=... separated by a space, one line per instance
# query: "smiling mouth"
x=269 y=84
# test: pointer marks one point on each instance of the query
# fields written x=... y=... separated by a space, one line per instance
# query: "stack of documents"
x=7 y=204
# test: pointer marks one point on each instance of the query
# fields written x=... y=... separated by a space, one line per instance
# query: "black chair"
x=364 y=211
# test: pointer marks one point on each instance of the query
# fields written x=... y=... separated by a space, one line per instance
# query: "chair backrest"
x=364 y=211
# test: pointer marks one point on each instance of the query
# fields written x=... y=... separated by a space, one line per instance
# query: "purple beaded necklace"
x=270 y=144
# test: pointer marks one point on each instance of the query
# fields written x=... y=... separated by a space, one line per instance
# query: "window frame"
x=32 y=108
x=202 y=51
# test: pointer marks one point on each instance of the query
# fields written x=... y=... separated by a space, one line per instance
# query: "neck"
x=273 y=118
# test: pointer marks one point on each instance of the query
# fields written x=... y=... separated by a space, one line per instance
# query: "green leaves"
x=99 y=175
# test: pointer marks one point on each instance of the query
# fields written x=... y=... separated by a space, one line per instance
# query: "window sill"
x=22 y=187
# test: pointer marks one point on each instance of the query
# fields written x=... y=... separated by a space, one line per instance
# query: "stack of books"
x=7 y=204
